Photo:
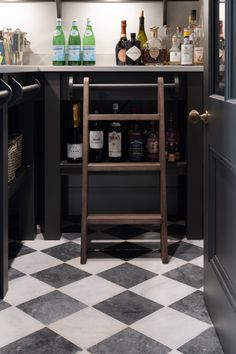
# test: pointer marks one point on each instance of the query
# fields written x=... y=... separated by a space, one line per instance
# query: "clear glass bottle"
x=198 y=46
x=89 y=55
x=186 y=49
x=58 y=45
x=166 y=41
x=174 y=52
x=120 y=47
x=133 y=51
x=74 y=45
x=141 y=33
x=151 y=49
x=179 y=36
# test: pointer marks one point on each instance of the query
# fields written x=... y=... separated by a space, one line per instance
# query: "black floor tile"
x=189 y=274
x=3 y=305
x=185 y=251
x=126 y=250
x=125 y=231
x=16 y=249
x=65 y=252
x=14 y=273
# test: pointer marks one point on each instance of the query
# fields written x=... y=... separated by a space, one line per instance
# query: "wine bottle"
x=74 y=142
x=152 y=144
x=74 y=45
x=115 y=139
x=96 y=141
x=135 y=146
x=89 y=57
x=141 y=33
x=133 y=51
x=58 y=45
x=120 y=47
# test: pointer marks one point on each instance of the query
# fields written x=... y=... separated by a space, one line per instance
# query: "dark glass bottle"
x=172 y=140
x=74 y=140
x=96 y=141
x=133 y=51
x=135 y=147
x=152 y=144
x=120 y=47
x=115 y=139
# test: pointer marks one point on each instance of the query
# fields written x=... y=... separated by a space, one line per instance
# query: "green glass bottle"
x=89 y=57
x=74 y=45
x=141 y=37
x=58 y=45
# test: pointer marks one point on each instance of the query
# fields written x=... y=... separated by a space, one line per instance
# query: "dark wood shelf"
x=19 y=179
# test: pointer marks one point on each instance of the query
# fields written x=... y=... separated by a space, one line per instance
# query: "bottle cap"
x=133 y=36
x=186 y=32
x=194 y=15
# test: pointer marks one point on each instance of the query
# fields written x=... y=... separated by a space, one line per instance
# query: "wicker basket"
x=16 y=139
x=12 y=149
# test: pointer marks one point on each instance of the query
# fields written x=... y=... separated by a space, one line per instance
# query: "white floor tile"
x=15 y=324
x=163 y=290
x=34 y=262
x=199 y=261
x=155 y=265
x=95 y=266
x=87 y=327
x=194 y=242
x=43 y=244
x=175 y=352
x=170 y=327
x=24 y=289
x=92 y=290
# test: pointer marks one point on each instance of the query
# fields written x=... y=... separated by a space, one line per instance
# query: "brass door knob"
x=195 y=117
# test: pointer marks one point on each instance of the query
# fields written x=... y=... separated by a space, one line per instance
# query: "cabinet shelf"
x=19 y=179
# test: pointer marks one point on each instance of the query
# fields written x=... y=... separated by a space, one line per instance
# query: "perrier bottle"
x=74 y=45
x=58 y=45
x=89 y=45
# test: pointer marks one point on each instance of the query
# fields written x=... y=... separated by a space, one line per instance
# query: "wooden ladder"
x=131 y=219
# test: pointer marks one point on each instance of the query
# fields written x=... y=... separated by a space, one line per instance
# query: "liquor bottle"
x=186 y=49
x=151 y=49
x=198 y=46
x=152 y=144
x=120 y=47
x=141 y=37
x=115 y=139
x=89 y=57
x=135 y=144
x=166 y=43
x=58 y=45
x=172 y=140
x=96 y=141
x=174 y=52
x=74 y=45
x=179 y=36
x=133 y=51
x=74 y=142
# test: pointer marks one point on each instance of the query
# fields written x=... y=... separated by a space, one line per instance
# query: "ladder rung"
x=131 y=219
x=117 y=117
x=124 y=166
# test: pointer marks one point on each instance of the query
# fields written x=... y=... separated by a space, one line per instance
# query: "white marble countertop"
x=97 y=68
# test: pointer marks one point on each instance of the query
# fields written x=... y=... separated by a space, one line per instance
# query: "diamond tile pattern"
x=123 y=301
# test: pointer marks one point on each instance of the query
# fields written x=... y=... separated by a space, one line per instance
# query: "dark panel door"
x=220 y=169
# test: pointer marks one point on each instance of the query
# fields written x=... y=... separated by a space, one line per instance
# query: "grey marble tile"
x=41 y=342
x=71 y=236
x=193 y=305
x=129 y=341
x=14 y=273
x=60 y=275
x=206 y=342
x=125 y=231
x=189 y=274
x=3 y=305
x=17 y=249
x=126 y=250
x=51 y=307
x=127 y=275
x=64 y=252
x=128 y=307
x=184 y=251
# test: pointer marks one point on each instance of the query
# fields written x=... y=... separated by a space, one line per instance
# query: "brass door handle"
x=195 y=117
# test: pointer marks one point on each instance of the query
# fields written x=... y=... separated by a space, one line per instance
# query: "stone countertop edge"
x=102 y=68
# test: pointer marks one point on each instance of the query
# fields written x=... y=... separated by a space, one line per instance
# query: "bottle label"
x=121 y=55
x=133 y=53
x=57 y=33
x=58 y=53
x=187 y=54
x=198 y=55
x=175 y=57
x=154 y=52
x=74 y=52
x=114 y=144
x=74 y=32
x=74 y=151
x=136 y=150
x=152 y=146
x=96 y=139
x=89 y=53
x=88 y=33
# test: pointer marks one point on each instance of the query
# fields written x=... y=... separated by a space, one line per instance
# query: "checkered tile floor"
x=123 y=301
